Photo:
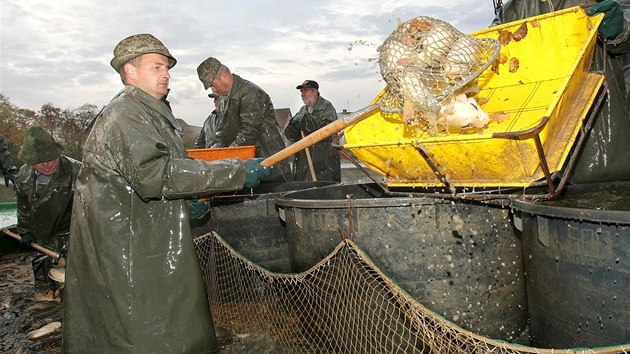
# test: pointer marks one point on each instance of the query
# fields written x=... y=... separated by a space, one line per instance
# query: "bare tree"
x=82 y=120
x=70 y=127
x=13 y=123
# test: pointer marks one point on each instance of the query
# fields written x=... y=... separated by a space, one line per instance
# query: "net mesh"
x=344 y=304
x=426 y=62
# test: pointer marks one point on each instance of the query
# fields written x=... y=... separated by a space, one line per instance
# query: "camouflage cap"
x=38 y=146
x=208 y=70
x=136 y=45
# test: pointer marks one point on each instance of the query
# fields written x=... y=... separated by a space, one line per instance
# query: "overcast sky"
x=58 y=51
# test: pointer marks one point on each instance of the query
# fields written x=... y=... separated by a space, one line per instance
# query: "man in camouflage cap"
x=133 y=282
x=248 y=115
x=207 y=71
x=136 y=45
x=45 y=188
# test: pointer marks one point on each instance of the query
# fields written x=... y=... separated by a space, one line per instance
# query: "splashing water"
x=8 y=217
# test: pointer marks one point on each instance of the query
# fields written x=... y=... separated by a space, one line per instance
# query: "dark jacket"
x=133 y=282
x=6 y=161
x=249 y=119
x=47 y=211
x=209 y=137
x=605 y=155
x=326 y=159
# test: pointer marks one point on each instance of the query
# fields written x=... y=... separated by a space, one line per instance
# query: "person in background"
x=248 y=115
x=604 y=155
x=208 y=137
x=316 y=113
x=45 y=188
x=133 y=281
x=9 y=169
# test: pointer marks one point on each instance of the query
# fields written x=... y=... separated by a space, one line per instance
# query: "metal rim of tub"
x=605 y=216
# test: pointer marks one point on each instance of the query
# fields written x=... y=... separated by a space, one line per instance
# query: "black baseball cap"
x=308 y=84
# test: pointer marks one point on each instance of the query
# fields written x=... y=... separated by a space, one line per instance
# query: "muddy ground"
x=22 y=311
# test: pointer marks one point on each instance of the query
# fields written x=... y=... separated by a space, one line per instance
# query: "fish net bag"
x=426 y=61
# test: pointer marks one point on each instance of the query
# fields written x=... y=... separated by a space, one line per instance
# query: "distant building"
x=343 y=113
x=282 y=116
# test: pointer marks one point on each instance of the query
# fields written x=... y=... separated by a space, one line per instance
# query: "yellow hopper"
x=540 y=82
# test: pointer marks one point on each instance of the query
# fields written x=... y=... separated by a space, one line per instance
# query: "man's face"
x=309 y=96
x=47 y=168
x=151 y=75
x=222 y=84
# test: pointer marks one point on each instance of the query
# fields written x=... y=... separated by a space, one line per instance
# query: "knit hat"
x=137 y=45
x=38 y=146
x=207 y=71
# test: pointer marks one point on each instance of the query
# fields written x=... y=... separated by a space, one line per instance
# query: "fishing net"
x=426 y=62
x=344 y=304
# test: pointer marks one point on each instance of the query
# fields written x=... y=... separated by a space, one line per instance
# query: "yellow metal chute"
x=540 y=84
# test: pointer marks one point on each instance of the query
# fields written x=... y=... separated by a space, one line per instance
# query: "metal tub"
x=460 y=259
x=249 y=222
x=577 y=252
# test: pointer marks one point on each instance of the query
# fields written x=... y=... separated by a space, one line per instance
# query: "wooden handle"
x=319 y=135
x=50 y=253
x=310 y=160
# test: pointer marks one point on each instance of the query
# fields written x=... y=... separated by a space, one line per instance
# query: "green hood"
x=39 y=146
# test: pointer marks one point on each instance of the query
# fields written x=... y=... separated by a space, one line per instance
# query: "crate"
x=211 y=154
x=546 y=100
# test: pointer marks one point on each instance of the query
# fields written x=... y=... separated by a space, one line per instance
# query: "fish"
x=422 y=62
x=462 y=112
x=462 y=58
x=57 y=274
x=48 y=296
x=45 y=330
x=438 y=41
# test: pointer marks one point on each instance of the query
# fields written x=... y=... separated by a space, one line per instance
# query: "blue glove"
x=197 y=209
x=612 y=24
x=254 y=172
x=27 y=238
x=9 y=175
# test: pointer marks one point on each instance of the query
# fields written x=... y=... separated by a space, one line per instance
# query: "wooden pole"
x=50 y=253
x=319 y=135
x=310 y=160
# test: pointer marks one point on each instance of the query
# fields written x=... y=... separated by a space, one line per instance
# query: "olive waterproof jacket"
x=326 y=159
x=133 y=282
x=249 y=119
x=208 y=137
x=46 y=211
x=605 y=154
